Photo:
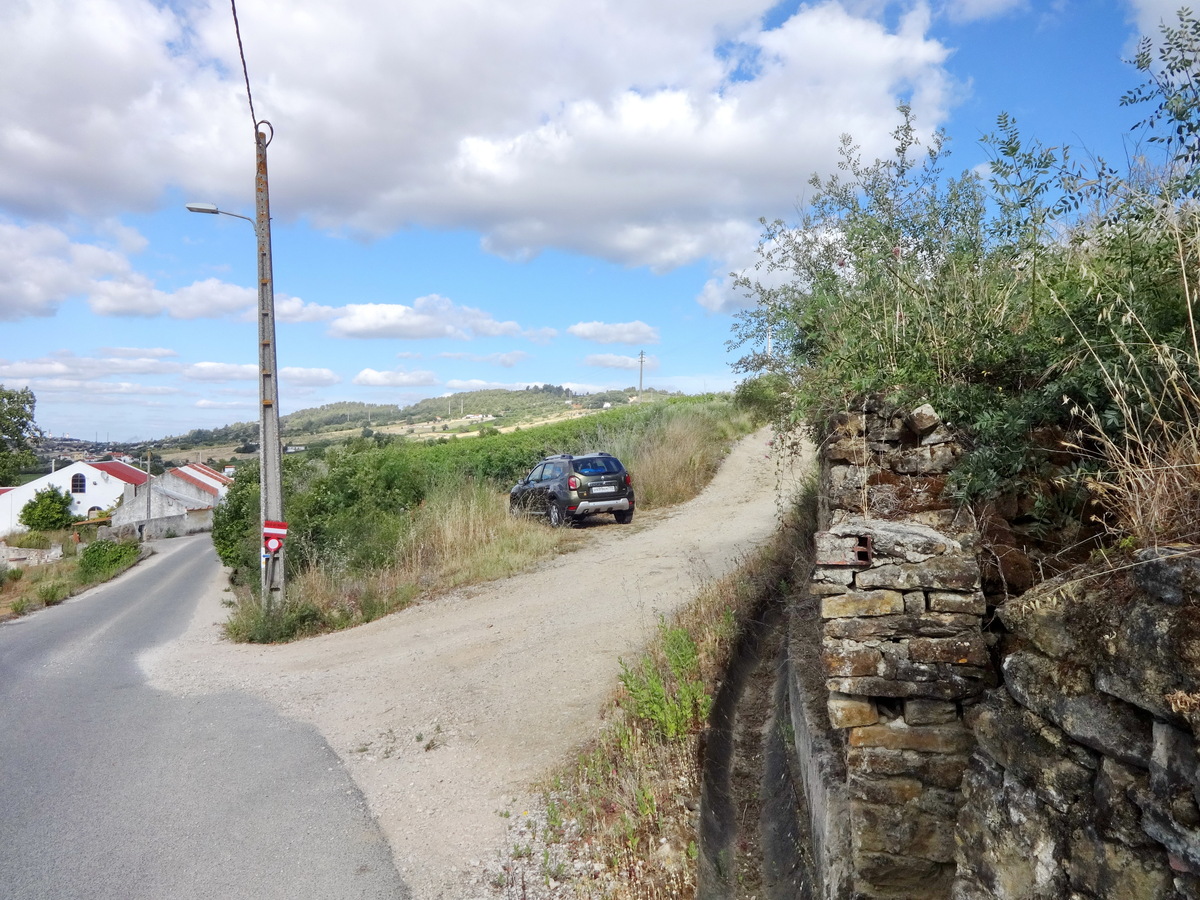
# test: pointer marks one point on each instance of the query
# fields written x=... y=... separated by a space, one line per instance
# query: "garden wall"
x=1081 y=775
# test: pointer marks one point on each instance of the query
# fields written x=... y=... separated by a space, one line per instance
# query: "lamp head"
x=203 y=208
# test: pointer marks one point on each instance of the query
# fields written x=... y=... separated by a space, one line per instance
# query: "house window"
x=78 y=484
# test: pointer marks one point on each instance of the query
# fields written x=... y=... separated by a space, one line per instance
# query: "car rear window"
x=597 y=465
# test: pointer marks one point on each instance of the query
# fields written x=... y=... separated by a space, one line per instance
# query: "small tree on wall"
x=49 y=510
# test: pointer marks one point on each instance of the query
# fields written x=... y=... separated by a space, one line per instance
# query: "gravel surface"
x=447 y=713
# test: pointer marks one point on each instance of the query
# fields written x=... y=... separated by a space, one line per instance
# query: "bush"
x=49 y=510
x=101 y=560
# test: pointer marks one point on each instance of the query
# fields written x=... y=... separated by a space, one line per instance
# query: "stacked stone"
x=1086 y=780
x=897 y=577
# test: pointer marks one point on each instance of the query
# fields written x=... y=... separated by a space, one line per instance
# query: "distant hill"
x=510 y=407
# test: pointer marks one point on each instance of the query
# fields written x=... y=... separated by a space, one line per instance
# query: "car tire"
x=557 y=519
x=623 y=516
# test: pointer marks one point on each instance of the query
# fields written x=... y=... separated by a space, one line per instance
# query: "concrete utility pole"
x=270 y=450
x=641 y=367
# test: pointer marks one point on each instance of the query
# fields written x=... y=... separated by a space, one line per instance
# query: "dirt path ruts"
x=447 y=712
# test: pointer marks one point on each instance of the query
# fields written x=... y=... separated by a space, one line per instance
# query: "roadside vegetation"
x=1048 y=311
x=377 y=522
x=24 y=589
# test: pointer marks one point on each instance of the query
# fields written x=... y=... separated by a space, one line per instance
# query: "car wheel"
x=557 y=519
x=623 y=516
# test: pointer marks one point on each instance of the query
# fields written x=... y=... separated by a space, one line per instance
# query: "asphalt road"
x=111 y=789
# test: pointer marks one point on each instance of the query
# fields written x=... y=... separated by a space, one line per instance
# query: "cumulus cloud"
x=670 y=126
x=615 y=333
x=67 y=365
x=432 y=316
x=394 y=378
x=613 y=361
x=214 y=371
x=139 y=352
x=308 y=377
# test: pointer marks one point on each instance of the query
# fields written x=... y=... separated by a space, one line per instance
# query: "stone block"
x=901 y=540
x=958 y=684
x=902 y=831
x=970 y=650
x=891 y=627
x=1179 y=840
x=1109 y=869
x=825 y=589
x=1063 y=695
x=897 y=666
x=839 y=575
x=914 y=603
x=847 y=450
x=1033 y=752
x=971 y=602
x=932 y=459
x=941 y=770
x=898 y=735
x=930 y=712
x=862 y=603
x=887 y=790
x=846 y=711
x=952 y=572
x=923 y=420
x=1169 y=574
x=883 y=875
x=850 y=659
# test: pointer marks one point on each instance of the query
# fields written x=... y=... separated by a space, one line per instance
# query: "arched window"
x=78 y=484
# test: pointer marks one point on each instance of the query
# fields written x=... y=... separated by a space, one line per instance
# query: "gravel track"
x=448 y=712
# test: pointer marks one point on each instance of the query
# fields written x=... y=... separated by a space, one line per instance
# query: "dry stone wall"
x=1052 y=756
x=896 y=586
x=1085 y=781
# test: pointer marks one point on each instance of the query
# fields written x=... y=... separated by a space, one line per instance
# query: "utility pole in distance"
x=641 y=366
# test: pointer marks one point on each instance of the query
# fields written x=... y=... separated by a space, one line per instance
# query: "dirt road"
x=446 y=713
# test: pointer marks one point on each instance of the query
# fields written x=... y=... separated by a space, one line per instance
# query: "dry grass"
x=1150 y=481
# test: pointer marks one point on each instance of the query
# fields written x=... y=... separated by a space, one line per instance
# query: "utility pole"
x=270 y=450
x=641 y=368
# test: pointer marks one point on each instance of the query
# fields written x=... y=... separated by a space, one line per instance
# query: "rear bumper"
x=587 y=507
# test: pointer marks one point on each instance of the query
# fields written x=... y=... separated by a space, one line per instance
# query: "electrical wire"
x=245 y=72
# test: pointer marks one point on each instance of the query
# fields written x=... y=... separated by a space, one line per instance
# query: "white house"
x=180 y=501
x=93 y=486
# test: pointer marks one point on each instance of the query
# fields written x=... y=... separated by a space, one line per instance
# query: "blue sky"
x=464 y=194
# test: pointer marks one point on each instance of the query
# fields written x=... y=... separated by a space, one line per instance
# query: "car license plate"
x=604 y=489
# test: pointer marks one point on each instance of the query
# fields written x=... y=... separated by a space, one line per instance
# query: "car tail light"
x=628 y=478
x=573 y=483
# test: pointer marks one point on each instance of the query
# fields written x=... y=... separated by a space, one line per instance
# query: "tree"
x=49 y=510
x=17 y=432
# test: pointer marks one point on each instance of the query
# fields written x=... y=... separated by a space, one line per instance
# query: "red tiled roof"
x=210 y=472
x=184 y=475
x=123 y=471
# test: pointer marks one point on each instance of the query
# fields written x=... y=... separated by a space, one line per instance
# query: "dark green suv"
x=565 y=488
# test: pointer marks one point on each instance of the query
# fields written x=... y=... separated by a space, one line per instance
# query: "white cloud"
x=309 y=377
x=613 y=361
x=432 y=316
x=611 y=129
x=293 y=309
x=205 y=403
x=67 y=365
x=214 y=371
x=616 y=333
x=394 y=378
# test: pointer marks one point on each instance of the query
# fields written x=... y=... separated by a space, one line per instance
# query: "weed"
x=50 y=593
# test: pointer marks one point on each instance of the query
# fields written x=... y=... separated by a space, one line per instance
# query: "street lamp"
x=269 y=449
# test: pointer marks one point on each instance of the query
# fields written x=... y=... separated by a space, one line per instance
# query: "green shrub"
x=101 y=560
x=49 y=510
x=50 y=593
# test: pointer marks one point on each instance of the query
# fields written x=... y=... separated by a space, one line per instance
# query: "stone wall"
x=1053 y=755
x=1085 y=780
x=898 y=610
